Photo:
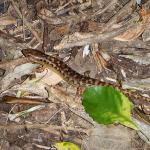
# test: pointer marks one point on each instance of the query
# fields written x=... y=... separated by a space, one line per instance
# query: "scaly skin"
x=76 y=79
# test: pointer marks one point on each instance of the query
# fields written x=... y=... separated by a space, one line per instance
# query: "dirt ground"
x=108 y=40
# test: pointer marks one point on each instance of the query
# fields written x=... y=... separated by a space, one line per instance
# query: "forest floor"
x=108 y=40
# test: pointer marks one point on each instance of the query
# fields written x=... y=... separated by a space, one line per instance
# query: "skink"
x=76 y=79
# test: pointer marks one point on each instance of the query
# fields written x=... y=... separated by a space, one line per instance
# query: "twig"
x=97 y=37
x=10 y=37
x=45 y=37
x=26 y=22
x=99 y=60
x=86 y=118
x=22 y=100
x=41 y=126
x=127 y=9
x=99 y=12
x=54 y=115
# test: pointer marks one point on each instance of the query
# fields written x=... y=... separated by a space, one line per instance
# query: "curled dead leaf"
x=131 y=34
x=136 y=30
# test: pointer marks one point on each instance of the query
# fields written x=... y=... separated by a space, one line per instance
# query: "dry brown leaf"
x=131 y=34
x=49 y=17
x=7 y=20
x=77 y=36
x=58 y=32
x=99 y=59
x=64 y=97
x=49 y=77
x=136 y=30
x=93 y=26
x=14 y=74
x=62 y=30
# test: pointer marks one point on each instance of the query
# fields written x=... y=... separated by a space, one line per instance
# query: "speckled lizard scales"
x=74 y=78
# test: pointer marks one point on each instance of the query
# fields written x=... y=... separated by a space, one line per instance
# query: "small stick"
x=26 y=22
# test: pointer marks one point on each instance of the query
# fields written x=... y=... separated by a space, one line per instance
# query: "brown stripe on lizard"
x=76 y=79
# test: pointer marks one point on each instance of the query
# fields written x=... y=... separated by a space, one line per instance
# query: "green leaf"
x=107 y=105
x=66 y=146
